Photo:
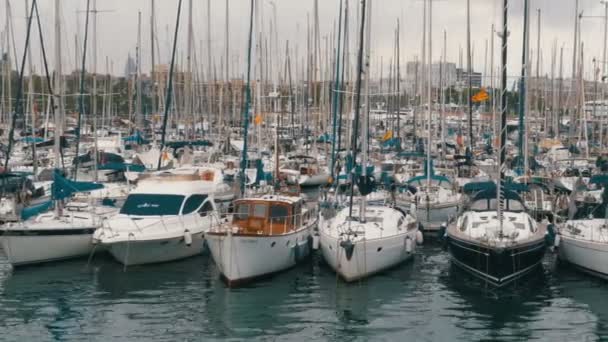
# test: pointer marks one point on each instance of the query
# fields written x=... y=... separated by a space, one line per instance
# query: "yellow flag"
x=258 y=119
x=387 y=136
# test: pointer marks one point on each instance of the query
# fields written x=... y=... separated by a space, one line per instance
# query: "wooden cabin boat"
x=267 y=235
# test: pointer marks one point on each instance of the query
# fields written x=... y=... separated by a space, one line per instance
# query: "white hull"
x=589 y=256
x=245 y=258
x=142 y=252
x=369 y=256
x=33 y=249
x=314 y=180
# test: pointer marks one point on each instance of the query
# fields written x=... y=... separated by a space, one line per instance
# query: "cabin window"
x=152 y=205
x=192 y=203
x=259 y=210
x=279 y=213
x=205 y=209
x=242 y=211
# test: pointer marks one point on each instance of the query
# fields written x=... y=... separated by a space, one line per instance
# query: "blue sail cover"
x=325 y=138
x=136 y=138
x=63 y=188
x=32 y=140
x=34 y=210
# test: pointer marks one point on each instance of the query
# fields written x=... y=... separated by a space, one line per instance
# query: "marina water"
x=424 y=300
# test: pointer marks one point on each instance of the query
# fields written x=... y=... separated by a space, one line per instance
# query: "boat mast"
x=357 y=108
x=94 y=94
x=247 y=101
x=442 y=85
x=82 y=81
x=523 y=101
x=30 y=97
x=188 y=86
x=336 y=95
x=365 y=130
x=429 y=95
x=503 y=110
x=470 y=76
x=169 y=85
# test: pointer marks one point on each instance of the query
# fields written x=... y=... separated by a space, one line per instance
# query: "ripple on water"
x=422 y=300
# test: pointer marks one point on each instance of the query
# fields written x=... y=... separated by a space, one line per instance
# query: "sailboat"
x=494 y=238
x=55 y=235
x=583 y=238
x=363 y=238
x=436 y=199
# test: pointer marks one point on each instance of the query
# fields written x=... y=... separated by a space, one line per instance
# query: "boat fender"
x=315 y=242
x=349 y=248
x=442 y=232
x=409 y=245
x=550 y=235
x=419 y=237
x=187 y=238
x=557 y=241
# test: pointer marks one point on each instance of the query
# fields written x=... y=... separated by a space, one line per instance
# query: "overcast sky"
x=117 y=28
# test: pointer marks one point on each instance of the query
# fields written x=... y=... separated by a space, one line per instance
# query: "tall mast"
x=188 y=86
x=503 y=109
x=522 y=90
x=573 y=121
x=30 y=97
x=247 y=101
x=138 y=101
x=152 y=56
x=470 y=76
x=227 y=52
x=429 y=95
x=442 y=86
x=605 y=3
x=94 y=103
x=398 y=80
x=365 y=130
x=492 y=85
x=357 y=106
x=58 y=88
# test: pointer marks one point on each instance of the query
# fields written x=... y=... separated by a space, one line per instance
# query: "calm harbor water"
x=424 y=300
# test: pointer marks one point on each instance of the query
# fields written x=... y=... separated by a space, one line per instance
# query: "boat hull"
x=140 y=252
x=434 y=217
x=28 y=247
x=496 y=266
x=244 y=258
x=369 y=256
x=588 y=256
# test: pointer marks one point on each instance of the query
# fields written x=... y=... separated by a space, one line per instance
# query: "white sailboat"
x=583 y=239
x=363 y=239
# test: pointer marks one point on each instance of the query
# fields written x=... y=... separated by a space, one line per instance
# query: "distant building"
x=462 y=78
x=130 y=67
x=445 y=73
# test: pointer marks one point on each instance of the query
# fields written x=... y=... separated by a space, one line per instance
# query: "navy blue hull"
x=497 y=266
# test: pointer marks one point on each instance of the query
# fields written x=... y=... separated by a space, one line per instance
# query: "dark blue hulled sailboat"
x=494 y=238
x=496 y=245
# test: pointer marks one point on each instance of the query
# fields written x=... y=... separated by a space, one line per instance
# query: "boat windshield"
x=152 y=205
